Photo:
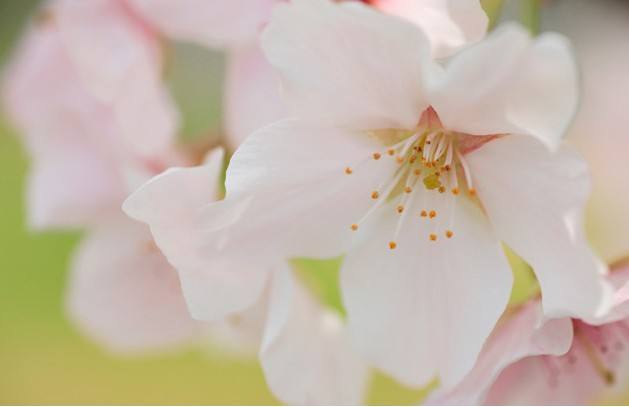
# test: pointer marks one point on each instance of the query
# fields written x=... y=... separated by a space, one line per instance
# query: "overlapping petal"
x=361 y=68
x=306 y=355
x=124 y=294
x=533 y=197
x=425 y=308
x=510 y=83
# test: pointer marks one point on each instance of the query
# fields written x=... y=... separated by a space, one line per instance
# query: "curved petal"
x=449 y=24
x=305 y=354
x=212 y=23
x=533 y=198
x=173 y=204
x=522 y=335
x=252 y=94
x=295 y=172
x=510 y=84
x=426 y=308
x=348 y=65
x=124 y=294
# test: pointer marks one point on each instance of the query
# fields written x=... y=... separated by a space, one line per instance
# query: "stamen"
x=348 y=170
x=391 y=151
x=432 y=214
x=400 y=208
x=433 y=237
x=423 y=214
x=408 y=189
x=449 y=234
x=376 y=156
x=354 y=227
x=392 y=245
x=375 y=195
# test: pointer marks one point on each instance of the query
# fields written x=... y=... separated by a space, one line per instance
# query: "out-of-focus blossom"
x=304 y=351
x=415 y=171
x=600 y=129
x=532 y=360
x=252 y=92
x=94 y=113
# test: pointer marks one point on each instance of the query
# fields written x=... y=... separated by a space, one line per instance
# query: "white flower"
x=418 y=172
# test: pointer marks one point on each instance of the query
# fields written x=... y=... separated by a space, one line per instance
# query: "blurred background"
x=45 y=360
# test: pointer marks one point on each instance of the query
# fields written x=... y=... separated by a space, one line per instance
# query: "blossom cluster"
x=400 y=135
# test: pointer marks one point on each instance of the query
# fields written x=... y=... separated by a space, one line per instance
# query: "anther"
x=449 y=234
x=417 y=171
x=375 y=195
x=433 y=237
x=390 y=151
x=400 y=209
x=392 y=245
x=399 y=159
x=472 y=191
x=455 y=191
x=423 y=214
x=442 y=189
x=376 y=156
x=412 y=159
x=348 y=170
x=408 y=189
x=354 y=227
x=447 y=167
x=432 y=214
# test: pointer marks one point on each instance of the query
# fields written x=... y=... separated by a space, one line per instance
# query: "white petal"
x=252 y=94
x=510 y=84
x=124 y=294
x=301 y=193
x=174 y=204
x=522 y=335
x=533 y=198
x=213 y=23
x=348 y=65
x=426 y=308
x=449 y=24
x=305 y=354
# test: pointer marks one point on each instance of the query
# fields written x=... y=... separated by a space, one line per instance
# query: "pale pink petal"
x=173 y=205
x=213 y=23
x=305 y=354
x=295 y=172
x=532 y=197
x=348 y=64
x=124 y=294
x=449 y=24
x=71 y=186
x=425 y=308
x=521 y=335
x=510 y=83
x=252 y=94
x=107 y=44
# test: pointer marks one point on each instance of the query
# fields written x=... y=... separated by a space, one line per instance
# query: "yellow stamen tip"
x=354 y=227
x=449 y=234
x=400 y=209
x=442 y=189
x=390 y=151
x=433 y=237
x=423 y=214
x=417 y=171
x=408 y=190
x=392 y=245
x=399 y=160
x=432 y=214
x=376 y=156
x=348 y=170
x=375 y=195
x=455 y=191
x=472 y=191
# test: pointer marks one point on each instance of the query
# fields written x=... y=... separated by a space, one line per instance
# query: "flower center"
x=430 y=163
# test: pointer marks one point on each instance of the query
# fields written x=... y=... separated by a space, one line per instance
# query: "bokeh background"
x=45 y=360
